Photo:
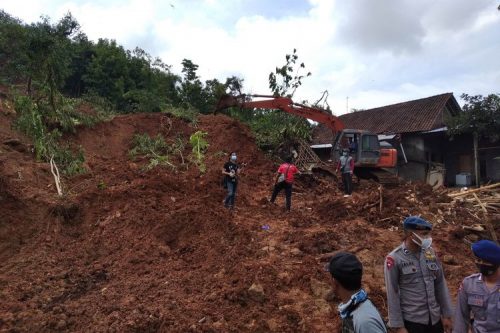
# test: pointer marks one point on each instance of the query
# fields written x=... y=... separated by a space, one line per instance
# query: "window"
x=369 y=143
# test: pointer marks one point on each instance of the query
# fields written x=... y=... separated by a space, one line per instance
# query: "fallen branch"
x=57 y=178
x=474 y=190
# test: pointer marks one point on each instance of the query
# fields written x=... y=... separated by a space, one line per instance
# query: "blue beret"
x=416 y=223
x=487 y=250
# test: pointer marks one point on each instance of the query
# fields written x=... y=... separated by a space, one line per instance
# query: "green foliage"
x=273 y=127
x=190 y=114
x=286 y=79
x=101 y=185
x=14 y=49
x=31 y=122
x=480 y=116
x=102 y=107
x=199 y=145
x=143 y=144
x=178 y=147
x=155 y=149
x=59 y=58
x=69 y=161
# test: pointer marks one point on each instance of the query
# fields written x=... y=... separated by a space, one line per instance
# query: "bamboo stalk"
x=474 y=190
x=381 y=199
x=488 y=222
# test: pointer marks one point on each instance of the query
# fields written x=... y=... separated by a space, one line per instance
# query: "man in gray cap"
x=417 y=295
x=479 y=293
x=357 y=312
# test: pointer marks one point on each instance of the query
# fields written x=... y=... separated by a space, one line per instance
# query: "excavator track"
x=384 y=177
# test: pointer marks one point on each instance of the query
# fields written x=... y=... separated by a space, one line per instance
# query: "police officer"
x=479 y=293
x=417 y=294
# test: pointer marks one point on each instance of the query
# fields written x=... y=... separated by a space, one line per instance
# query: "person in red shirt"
x=284 y=180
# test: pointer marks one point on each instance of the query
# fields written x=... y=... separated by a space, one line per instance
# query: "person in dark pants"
x=357 y=312
x=231 y=171
x=418 y=299
x=284 y=180
x=346 y=167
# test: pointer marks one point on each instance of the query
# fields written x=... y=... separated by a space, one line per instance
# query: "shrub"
x=200 y=145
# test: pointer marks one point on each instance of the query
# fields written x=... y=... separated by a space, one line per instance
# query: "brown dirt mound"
x=129 y=250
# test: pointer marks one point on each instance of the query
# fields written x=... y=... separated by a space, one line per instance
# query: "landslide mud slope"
x=129 y=250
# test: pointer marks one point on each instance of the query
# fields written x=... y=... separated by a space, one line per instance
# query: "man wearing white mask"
x=231 y=171
x=417 y=294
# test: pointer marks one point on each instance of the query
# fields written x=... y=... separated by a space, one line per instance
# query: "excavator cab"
x=365 y=148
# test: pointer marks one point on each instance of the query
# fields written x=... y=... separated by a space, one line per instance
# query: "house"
x=425 y=151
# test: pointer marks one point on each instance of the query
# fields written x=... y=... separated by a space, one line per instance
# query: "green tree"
x=480 y=117
x=82 y=52
x=286 y=79
x=107 y=73
x=191 y=88
x=13 y=49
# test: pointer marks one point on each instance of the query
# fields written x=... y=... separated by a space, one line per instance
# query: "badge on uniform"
x=429 y=255
x=477 y=301
x=389 y=261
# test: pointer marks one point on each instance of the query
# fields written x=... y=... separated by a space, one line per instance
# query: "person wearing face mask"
x=231 y=171
x=346 y=166
x=479 y=294
x=417 y=294
x=357 y=312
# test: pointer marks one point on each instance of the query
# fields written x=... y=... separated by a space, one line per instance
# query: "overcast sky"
x=376 y=52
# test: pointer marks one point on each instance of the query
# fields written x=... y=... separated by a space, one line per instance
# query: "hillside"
x=128 y=250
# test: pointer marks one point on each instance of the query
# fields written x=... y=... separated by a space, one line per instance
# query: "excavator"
x=371 y=160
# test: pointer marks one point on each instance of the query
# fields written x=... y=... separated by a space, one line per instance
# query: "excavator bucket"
x=226 y=101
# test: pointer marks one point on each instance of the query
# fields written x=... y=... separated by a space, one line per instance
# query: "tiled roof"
x=419 y=115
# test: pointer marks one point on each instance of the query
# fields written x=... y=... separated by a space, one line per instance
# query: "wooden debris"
x=487 y=219
x=481 y=189
x=381 y=199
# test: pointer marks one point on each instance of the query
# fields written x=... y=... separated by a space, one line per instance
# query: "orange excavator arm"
x=284 y=104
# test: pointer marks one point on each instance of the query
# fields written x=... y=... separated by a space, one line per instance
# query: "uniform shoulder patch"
x=389 y=262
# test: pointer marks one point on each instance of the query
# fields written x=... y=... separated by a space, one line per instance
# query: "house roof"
x=419 y=115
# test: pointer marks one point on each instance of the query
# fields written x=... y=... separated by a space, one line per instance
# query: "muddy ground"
x=129 y=250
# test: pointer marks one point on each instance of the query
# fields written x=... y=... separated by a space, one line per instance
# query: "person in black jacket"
x=231 y=171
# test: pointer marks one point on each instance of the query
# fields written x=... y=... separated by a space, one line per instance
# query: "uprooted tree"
x=274 y=127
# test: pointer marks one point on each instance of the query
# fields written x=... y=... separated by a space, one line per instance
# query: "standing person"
x=417 y=295
x=231 y=170
x=284 y=180
x=346 y=167
x=357 y=312
x=479 y=293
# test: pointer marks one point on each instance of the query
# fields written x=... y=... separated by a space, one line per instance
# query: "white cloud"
x=375 y=52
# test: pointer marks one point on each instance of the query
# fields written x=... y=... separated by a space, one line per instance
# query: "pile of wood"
x=483 y=198
x=483 y=201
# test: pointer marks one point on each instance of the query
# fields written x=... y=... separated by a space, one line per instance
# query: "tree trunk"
x=476 y=159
